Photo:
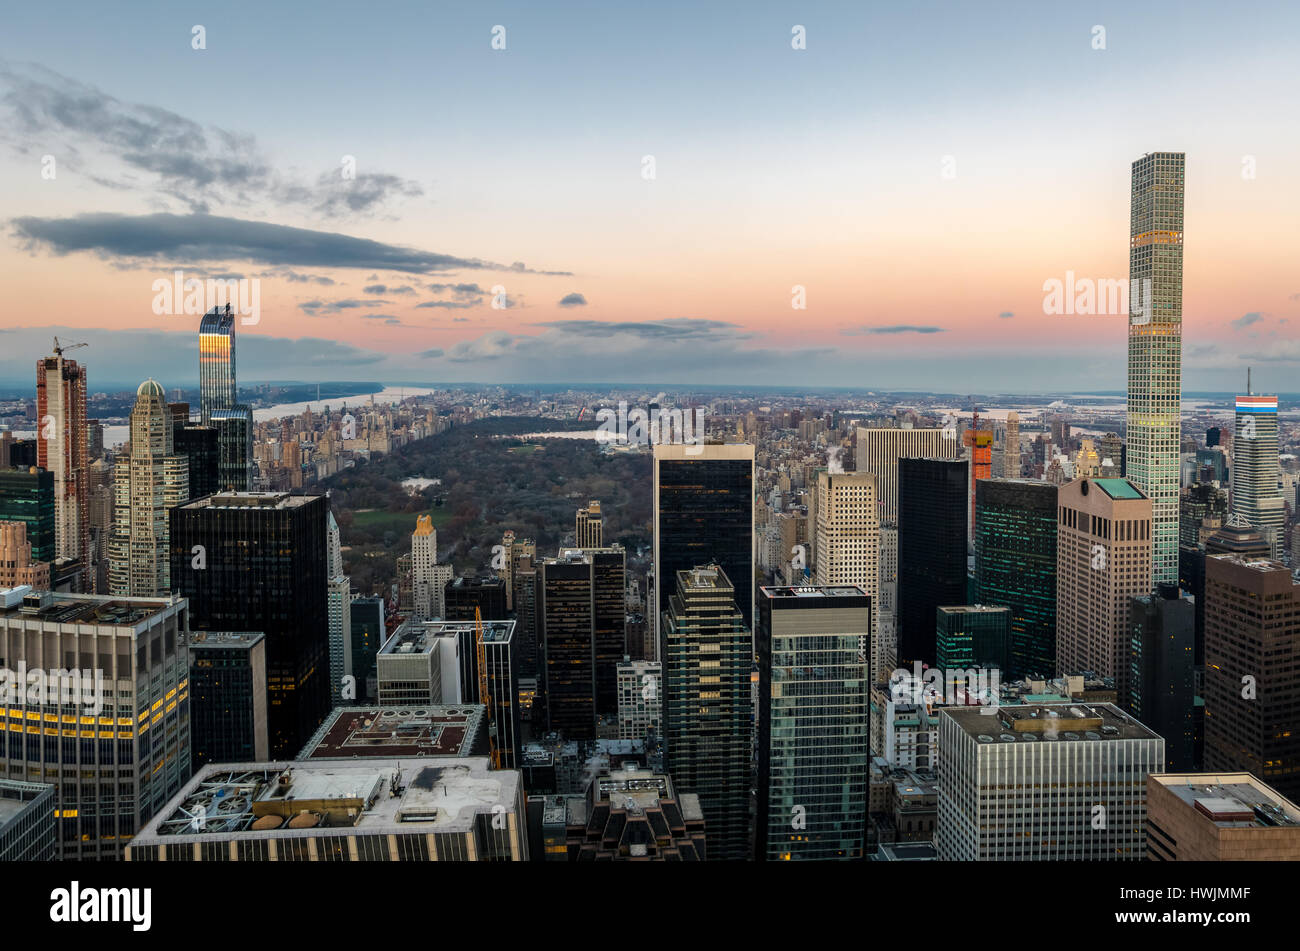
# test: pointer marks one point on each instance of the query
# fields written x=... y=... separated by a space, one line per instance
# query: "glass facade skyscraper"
x=813 y=722
x=1256 y=496
x=933 y=499
x=1155 y=341
x=708 y=711
x=218 y=406
x=1015 y=565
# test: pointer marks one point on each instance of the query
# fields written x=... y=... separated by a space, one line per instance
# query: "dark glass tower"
x=368 y=635
x=198 y=444
x=1015 y=565
x=227 y=697
x=257 y=562
x=933 y=499
x=27 y=496
x=465 y=594
x=565 y=613
x=708 y=708
x=1160 y=691
x=704 y=514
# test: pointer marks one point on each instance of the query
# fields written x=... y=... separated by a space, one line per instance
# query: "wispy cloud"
x=893 y=329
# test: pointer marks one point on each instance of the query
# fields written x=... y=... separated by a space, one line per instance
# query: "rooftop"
x=252 y=500
x=60 y=608
x=231 y=640
x=1119 y=488
x=295 y=799
x=397 y=732
x=421 y=638
x=1032 y=723
x=1231 y=800
x=813 y=591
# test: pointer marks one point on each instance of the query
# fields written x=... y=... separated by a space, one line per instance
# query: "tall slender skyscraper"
x=704 y=514
x=848 y=544
x=879 y=450
x=218 y=406
x=1011 y=447
x=1155 y=343
x=1256 y=496
x=589 y=527
x=148 y=481
x=708 y=654
x=428 y=578
x=61 y=448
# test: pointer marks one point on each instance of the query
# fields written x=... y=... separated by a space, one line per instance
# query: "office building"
x=1252 y=693
x=343 y=683
x=118 y=716
x=1043 y=782
x=1219 y=817
x=16 y=564
x=1256 y=495
x=27 y=832
x=463 y=595
x=62 y=450
x=634 y=815
x=421 y=809
x=589 y=528
x=228 y=697
x=703 y=514
x=1161 y=690
x=640 y=699
x=368 y=631
x=566 y=613
x=147 y=481
x=932 y=509
x=1015 y=565
x=429 y=662
x=813 y=722
x=879 y=450
x=198 y=444
x=1202 y=509
x=1103 y=562
x=848 y=542
x=707 y=655
x=1153 y=432
x=27 y=497
x=256 y=561
x=972 y=636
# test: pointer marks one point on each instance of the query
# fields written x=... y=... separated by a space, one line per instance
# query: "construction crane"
x=59 y=350
x=484 y=697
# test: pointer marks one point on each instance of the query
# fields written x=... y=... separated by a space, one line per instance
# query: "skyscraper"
x=1252 y=685
x=704 y=514
x=879 y=450
x=1011 y=447
x=218 y=401
x=708 y=654
x=1043 y=782
x=228 y=697
x=1015 y=565
x=933 y=499
x=566 y=630
x=256 y=561
x=848 y=543
x=428 y=578
x=1103 y=561
x=147 y=481
x=1160 y=691
x=589 y=527
x=1256 y=495
x=27 y=496
x=813 y=722
x=61 y=447
x=339 y=595
x=1155 y=339
x=116 y=734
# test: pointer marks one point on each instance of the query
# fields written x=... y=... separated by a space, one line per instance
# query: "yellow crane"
x=484 y=697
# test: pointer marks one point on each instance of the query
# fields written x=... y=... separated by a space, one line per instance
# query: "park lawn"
x=382 y=520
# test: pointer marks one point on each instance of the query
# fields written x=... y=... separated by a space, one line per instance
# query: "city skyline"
x=826 y=175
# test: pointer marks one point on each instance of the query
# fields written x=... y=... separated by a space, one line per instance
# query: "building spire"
x=1248 y=393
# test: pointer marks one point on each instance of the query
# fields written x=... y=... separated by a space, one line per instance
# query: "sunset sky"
x=523 y=167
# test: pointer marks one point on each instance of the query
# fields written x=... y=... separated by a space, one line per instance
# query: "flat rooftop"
x=1119 y=488
x=423 y=637
x=813 y=591
x=397 y=732
x=230 y=640
x=252 y=500
x=296 y=799
x=1231 y=800
x=60 y=608
x=1031 y=723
